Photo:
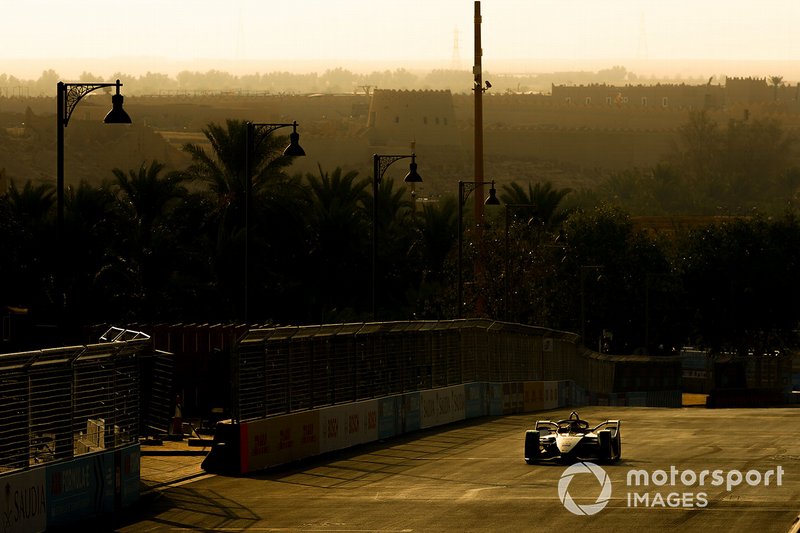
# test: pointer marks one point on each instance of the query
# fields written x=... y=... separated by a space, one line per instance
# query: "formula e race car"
x=573 y=440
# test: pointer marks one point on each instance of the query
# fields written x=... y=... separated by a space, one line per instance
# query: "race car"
x=573 y=440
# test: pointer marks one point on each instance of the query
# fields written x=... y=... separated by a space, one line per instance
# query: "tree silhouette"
x=339 y=243
x=775 y=81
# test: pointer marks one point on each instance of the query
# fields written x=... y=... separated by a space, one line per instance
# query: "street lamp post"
x=464 y=190
x=379 y=165
x=67 y=97
x=294 y=149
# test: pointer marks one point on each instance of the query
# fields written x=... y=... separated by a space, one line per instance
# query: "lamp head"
x=412 y=176
x=492 y=198
x=294 y=149
x=117 y=115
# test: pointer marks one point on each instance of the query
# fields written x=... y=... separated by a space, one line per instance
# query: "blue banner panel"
x=80 y=489
x=410 y=412
x=474 y=400
x=130 y=475
x=494 y=398
x=387 y=417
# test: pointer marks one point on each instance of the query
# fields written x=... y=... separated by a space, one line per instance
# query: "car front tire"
x=531 y=446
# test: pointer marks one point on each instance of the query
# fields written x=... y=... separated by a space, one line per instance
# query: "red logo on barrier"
x=333 y=428
x=372 y=420
x=353 y=423
x=308 y=433
x=260 y=446
x=286 y=438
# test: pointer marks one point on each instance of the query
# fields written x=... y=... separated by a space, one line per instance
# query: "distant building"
x=735 y=91
x=667 y=96
x=402 y=117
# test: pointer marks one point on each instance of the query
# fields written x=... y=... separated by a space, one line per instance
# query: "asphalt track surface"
x=472 y=477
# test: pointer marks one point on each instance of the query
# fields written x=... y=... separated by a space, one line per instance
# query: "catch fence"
x=62 y=402
x=288 y=369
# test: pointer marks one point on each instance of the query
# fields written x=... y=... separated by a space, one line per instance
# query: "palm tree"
x=776 y=82
x=544 y=202
x=223 y=172
x=396 y=235
x=148 y=247
x=29 y=247
x=438 y=237
x=148 y=197
x=338 y=241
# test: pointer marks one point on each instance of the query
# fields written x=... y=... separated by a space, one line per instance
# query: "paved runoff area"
x=689 y=469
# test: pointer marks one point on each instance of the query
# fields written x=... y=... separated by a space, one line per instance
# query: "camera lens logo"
x=584 y=468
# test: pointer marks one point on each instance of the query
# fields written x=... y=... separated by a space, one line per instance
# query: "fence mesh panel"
x=62 y=402
x=288 y=369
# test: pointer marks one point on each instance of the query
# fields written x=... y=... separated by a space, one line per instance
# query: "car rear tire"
x=531 y=446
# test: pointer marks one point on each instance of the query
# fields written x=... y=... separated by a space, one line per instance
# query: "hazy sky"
x=176 y=33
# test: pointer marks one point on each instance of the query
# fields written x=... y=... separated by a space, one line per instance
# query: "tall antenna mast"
x=456 y=63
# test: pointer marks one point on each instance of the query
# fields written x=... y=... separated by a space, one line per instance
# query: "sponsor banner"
x=494 y=398
x=533 y=396
x=23 y=502
x=563 y=393
x=92 y=485
x=388 y=417
x=410 y=412
x=442 y=406
x=513 y=398
x=127 y=467
x=550 y=394
x=279 y=440
x=348 y=425
x=694 y=374
x=474 y=400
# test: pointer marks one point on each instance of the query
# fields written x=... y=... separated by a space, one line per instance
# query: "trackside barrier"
x=302 y=390
x=494 y=399
x=475 y=403
x=249 y=446
x=64 y=493
x=442 y=406
x=70 y=422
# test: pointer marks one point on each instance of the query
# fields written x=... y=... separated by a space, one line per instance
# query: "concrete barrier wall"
x=65 y=493
x=282 y=439
x=442 y=406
